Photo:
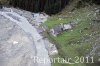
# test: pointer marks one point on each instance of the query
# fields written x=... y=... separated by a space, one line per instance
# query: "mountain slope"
x=82 y=40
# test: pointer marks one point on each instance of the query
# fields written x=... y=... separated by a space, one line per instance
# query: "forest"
x=47 y=6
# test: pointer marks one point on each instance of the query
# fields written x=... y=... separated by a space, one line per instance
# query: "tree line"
x=48 y=6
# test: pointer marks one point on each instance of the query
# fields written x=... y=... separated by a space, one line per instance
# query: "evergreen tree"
x=49 y=6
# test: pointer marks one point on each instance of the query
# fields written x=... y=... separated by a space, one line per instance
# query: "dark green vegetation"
x=49 y=6
x=80 y=40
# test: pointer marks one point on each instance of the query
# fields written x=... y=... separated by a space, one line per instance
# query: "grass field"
x=72 y=43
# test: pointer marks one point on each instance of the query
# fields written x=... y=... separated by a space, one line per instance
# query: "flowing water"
x=42 y=53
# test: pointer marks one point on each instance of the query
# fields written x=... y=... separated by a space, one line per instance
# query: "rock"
x=39 y=18
x=56 y=30
x=60 y=18
x=40 y=29
x=61 y=28
x=97 y=11
x=16 y=47
x=51 y=48
x=98 y=21
x=67 y=27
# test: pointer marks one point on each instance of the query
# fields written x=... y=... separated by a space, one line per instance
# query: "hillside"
x=81 y=41
x=55 y=32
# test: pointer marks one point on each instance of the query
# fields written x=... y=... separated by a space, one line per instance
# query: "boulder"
x=67 y=27
x=56 y=30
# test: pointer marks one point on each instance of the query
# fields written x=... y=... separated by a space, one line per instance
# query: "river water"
x=42 y=53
